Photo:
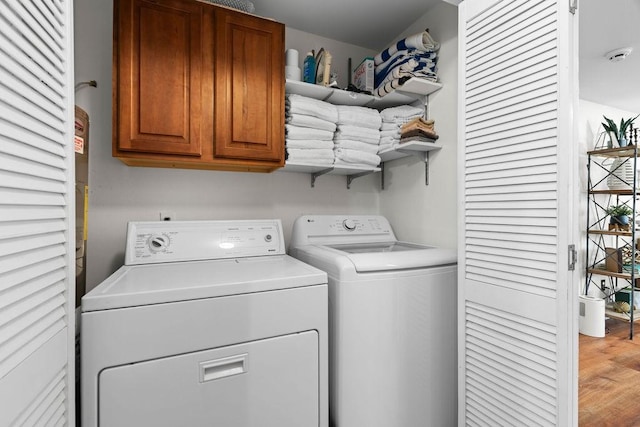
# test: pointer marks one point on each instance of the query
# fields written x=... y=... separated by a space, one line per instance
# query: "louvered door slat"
x=10 y=229
x=22 y=35
x=42 y=402
x=512 y=265
x=41 y=38
x=40 y=103
x=36 y=212
x=17 y=300
x=41 y=261
x=29 y=122
x=19 y=181
x=30 y=79
x=30 y=140
x=19 y=150
x=48 y=20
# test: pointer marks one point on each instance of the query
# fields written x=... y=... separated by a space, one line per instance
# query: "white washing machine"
x=392 y=322
x=208 y=323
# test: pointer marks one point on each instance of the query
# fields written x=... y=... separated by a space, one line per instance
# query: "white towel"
x=307 y=144
x=297 y=132
x=357 y=133
x=401 y=114
x=357 y=145
x=389 y=140
x=339 y=162
x=389 y=126
x=312 y=107
x=356 y=156
x=328 y=163
x=306 y=121
x=306 y=154
x=392 y=133
x=358 y=116
x=387 y=146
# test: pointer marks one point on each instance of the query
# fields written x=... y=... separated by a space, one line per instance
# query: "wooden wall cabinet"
x=197 y=86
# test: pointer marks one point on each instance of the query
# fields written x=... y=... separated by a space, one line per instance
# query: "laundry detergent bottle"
x=309 y=68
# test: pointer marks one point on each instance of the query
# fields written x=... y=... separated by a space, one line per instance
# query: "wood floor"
x=609 y=383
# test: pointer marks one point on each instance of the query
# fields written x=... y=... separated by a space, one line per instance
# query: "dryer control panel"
x=171 y=241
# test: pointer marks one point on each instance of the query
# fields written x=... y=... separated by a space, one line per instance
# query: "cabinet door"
x=157 y=65
x=249 y=88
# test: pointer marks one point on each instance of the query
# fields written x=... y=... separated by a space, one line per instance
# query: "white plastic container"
x=591 y=319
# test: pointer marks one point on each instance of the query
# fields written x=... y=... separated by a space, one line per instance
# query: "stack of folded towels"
x=309 y=128
x=393 y=119
x=418 y=129
x=357 y=136
x=413 y=56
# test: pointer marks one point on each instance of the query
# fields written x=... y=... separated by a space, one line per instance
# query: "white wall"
x=590 y=117
x=420 y=213
x=120 y=193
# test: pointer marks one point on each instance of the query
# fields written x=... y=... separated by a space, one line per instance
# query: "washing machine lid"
x=142 y=285
x=367 y=241
x=384 y=256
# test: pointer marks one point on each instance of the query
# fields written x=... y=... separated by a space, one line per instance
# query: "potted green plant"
x=619 y=214
x=618 y=132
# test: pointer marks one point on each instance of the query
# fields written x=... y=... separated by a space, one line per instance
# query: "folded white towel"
x=297 y=132
x=307 y=153
x=395 y=133
x=357 y=133
x=357 y=145
x=389 y=126
x=387 y=146
x=401 y=114
x=356 y=156
x=306 y=121
x=358 y=116
x=313 y=107
x=389 y=140
x=308 y=144
x=339 y=162
x=313 y=162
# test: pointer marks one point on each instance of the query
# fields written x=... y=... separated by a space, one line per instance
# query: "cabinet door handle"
x=211 y=370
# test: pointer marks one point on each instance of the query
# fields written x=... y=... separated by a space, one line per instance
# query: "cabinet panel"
x=159 y=60
x=249 y=91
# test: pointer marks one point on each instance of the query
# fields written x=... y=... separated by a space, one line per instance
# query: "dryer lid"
x=142 y=285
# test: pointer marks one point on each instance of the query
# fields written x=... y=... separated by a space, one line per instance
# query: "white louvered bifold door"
x=36 y=213
x=516 y=309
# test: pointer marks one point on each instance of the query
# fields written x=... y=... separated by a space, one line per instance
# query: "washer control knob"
x=349 y=224
x=158 y=243
x=268 y=238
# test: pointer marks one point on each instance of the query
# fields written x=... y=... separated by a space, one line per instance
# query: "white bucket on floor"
x=591 y=312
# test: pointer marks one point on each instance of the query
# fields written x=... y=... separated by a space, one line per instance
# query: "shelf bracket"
x=350 y=178
x=317 y=174
x=424 y=157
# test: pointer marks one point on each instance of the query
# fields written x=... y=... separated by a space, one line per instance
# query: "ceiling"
x=366 y=23
x=604 y=26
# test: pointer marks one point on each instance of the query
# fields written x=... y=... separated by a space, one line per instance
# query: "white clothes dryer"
x=208 y=323
x=392 y=322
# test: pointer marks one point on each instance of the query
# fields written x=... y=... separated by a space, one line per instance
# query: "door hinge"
x=573 y=257
x=573 y=6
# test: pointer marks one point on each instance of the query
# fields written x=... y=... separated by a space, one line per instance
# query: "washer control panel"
x=331 y=229
x=171 y=241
